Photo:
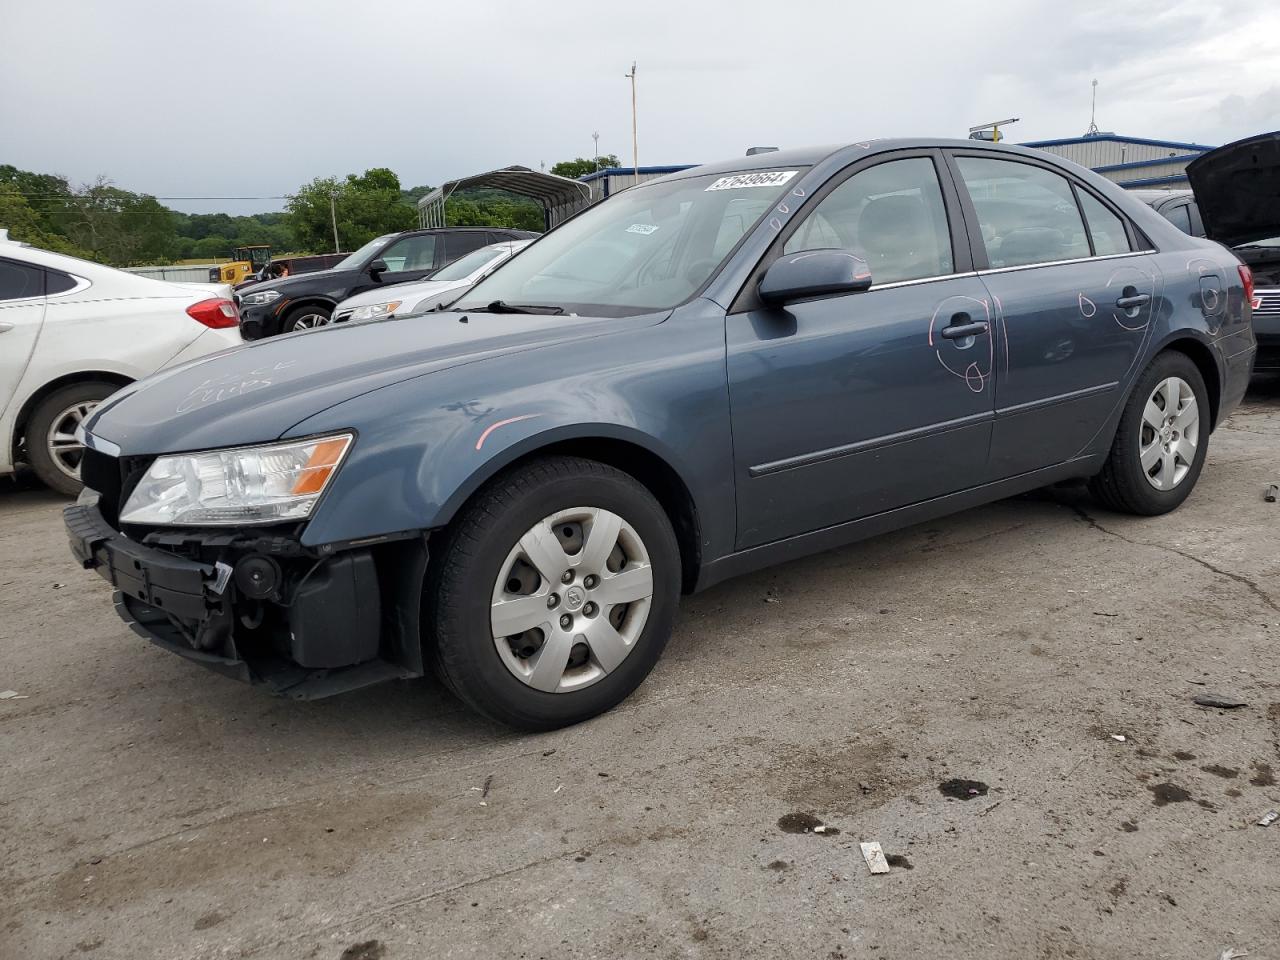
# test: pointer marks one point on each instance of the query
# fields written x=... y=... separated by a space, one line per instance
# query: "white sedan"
x=445 y=284
x=73 y=332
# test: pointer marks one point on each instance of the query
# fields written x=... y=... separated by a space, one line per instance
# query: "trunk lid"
x=1237 y=189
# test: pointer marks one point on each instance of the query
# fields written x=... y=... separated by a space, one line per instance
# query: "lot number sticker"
x=771 y=178
x=642 y=228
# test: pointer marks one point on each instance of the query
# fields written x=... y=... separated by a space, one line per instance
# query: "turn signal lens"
x=325 y=456
x=1246 y=277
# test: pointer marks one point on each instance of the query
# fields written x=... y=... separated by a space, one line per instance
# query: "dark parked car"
x=301 y=302
x=1236 y=201
x=708 y=373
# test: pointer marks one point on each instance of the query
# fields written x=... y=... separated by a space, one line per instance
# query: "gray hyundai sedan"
x=726 y=368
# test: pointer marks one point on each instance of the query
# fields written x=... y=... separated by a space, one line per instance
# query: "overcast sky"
x=184 y=99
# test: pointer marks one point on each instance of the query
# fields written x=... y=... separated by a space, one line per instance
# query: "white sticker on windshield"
x=768 y=178
x=643 y=228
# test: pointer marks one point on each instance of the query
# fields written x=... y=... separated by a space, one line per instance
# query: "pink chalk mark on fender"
x=502 y=423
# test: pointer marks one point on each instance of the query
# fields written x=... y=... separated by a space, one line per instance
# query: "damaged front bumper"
x=260 y=607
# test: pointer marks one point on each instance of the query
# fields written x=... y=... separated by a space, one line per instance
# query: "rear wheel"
x=306 y=317
x=1161 y=442
x=50 y=434
x=552 y=596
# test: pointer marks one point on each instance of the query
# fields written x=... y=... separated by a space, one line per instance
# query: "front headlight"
x=244 y=485
x=375 y=310
x=260 y=297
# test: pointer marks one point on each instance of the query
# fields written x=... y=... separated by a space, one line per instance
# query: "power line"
x=75 y=196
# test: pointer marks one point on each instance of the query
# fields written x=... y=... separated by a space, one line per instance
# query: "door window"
x=1107 y=230
x=1178 y=215
x=891 y=215
x=411 y=253
x=18 y=281
x=1027 y=214
x=460 y=244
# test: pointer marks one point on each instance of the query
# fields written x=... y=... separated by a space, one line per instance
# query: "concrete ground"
x=149 y=809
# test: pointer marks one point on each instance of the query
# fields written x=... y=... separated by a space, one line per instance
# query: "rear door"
x=22 y=306
x=1073 y=299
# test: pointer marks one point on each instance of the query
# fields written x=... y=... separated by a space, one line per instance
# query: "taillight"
x=217 y=313
x=1246 y=277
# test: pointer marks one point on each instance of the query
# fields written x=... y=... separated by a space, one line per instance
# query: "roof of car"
x=808 y=156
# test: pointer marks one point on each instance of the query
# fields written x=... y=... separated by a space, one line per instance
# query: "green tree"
x=581 y=166
x=365 y=206
x=23 y=223
x=119 y=227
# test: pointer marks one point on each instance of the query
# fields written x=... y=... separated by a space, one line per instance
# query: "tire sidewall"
x=484 y=678
x=1129 y=436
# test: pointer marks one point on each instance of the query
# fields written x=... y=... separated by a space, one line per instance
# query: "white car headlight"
x=243 y=485
x=260 y=297
x=373 y=310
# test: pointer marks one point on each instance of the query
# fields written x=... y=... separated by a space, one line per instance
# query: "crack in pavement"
x=1252 y=585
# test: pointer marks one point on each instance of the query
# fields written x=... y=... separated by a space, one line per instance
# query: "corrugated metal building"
x=606 y=182
x=185 y=273
x=1132 y=162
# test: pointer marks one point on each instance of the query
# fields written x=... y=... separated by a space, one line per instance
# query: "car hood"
x=1237 y=189
x=406 y=293
x=302 y=283
x=254 y=394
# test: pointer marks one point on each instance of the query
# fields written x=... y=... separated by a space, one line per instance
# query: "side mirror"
x=377 y=268
x=813 y=273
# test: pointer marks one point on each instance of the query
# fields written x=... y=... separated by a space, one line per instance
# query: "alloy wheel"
x=65 y=450
x=571 y=599
x=309 y=321
x=1170 y=433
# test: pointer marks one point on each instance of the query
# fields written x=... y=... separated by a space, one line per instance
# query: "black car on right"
x=300 y=302
x=1235 y=199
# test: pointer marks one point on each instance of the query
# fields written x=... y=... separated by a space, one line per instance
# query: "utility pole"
x=333 y=215
x=635 y=141
x=596 y=137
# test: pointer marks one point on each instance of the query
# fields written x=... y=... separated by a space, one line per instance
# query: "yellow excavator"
x=245 y=262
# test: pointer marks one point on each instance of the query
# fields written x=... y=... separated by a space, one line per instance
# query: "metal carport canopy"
x=559 y=197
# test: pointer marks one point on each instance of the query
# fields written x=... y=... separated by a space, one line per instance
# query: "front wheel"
x=1161 y=442
x=553 y=594
x=306 y=317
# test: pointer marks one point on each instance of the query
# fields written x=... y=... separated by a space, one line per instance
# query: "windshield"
x=477 y=260
x=353 y=260
x=646 y=249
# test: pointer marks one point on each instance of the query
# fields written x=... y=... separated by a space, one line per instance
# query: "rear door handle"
x=1132 y=303
x=958 y=331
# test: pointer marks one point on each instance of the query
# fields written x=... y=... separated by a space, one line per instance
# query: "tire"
x=463 y=587
x=306 y=317
x=1123 y=484
x=64 y=408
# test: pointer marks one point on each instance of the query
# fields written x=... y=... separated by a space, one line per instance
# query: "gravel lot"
x=151 y=809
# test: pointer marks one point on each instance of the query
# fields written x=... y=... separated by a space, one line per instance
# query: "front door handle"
x=958 y=331
x=1132 y=303
x=5 y=327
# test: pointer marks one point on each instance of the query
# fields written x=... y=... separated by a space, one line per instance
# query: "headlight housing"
x=241 y=485
x=259 y=297
x=372 y=311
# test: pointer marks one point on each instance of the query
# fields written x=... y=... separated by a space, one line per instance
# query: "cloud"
x=221 y=106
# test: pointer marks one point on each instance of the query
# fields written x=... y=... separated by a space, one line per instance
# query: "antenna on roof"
x=1093 y=113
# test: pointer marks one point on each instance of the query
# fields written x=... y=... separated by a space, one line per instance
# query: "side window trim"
x=962 y=263
x=1138 y=241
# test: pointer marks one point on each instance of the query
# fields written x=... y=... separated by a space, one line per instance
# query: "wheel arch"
x=1202 y=355
x=620 y=449
x=66 y=380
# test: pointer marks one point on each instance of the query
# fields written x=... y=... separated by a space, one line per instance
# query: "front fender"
x=425 y=445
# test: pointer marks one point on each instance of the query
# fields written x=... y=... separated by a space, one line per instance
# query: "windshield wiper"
x=501 y=306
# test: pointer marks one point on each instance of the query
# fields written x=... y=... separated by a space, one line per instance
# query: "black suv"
x=296 y=303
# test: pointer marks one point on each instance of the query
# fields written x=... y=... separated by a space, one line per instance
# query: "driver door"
x=853 y=404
